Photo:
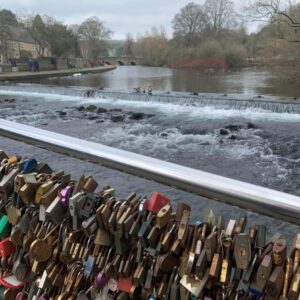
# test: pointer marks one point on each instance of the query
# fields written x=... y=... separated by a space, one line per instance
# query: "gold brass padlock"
x=181 y=207
x=183 y=227
x=242 y=251
x=279 y=252
x=295 y=286
x=19 y=182
x=287 y=277
x=42 y=190
x=210 y=245
x=194 y=285
x=296 y=253
x=226 y=263
x=89 y=185
x=103 y=238
x=49 y=196
x=275 y=282
x=163 y=216
x=215 y=268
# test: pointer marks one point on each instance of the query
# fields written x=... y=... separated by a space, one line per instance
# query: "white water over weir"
x=220 y=101
x=230 y=101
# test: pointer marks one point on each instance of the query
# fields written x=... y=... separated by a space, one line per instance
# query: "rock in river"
x=137 y=116
x=224 y=131
x=117 y=118
x=91 y=108
x=233 y=127
x=250 y=125
x=233 y=137
x=101 y=110
x=62 y=113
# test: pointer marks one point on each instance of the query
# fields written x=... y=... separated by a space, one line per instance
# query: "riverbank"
x=11 y=76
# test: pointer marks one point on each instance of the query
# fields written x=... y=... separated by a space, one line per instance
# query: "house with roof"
x=19 y=43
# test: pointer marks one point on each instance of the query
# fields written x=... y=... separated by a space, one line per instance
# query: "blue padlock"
x=30 y=165
x=255 y=292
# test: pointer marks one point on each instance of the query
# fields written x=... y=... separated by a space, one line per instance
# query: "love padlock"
x=100 y=280
x=30 y=165
x=4 y=226
x=11 y=282
x=65 y=195
x=6 y=247
x=124 y=284
x=156 y=202
x=22 y=296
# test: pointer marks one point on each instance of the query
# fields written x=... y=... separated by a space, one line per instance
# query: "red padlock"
x=22 y=296
x=124 y=284
x=156 y=202
x=11 y=282
x=6 y=247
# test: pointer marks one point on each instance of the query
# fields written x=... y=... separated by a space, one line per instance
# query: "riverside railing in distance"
x=258 y=199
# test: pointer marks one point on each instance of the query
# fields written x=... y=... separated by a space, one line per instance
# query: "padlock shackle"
x=252 y=197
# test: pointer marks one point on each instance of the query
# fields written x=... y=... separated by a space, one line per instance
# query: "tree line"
x=214 y=36
x=87 y=39
x=209 y=37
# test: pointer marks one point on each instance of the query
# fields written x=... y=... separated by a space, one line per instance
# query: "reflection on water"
x=248 y=81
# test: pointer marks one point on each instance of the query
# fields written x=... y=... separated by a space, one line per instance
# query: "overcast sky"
x=121 y=16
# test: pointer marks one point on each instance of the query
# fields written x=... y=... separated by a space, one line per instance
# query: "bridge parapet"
x=121 y=60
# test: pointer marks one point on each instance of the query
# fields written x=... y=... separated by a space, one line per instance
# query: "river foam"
x=205 y=106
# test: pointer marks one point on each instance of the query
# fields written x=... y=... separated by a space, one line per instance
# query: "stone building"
x=20 y=44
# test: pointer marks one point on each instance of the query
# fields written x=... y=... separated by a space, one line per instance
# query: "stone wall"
x=46 y=64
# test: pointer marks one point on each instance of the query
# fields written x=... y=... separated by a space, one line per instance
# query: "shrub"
x=205 y=65
x=210 y=49
x=235 y=56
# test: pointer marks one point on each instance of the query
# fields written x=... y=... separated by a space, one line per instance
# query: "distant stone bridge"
x=121 y=60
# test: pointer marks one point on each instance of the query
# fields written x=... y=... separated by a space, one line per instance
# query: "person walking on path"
x=36 y=66
x=30 y=65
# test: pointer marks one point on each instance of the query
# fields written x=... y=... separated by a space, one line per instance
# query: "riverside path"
x=10 y=76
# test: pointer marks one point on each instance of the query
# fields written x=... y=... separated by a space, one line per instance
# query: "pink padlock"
x=65 y=195
x=100 y=280
x=22 y=296
x=10 y=261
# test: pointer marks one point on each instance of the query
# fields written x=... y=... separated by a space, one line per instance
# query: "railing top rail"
x=259 y=199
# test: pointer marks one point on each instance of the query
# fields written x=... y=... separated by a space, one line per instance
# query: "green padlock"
x=5 y=227
x=2 y=289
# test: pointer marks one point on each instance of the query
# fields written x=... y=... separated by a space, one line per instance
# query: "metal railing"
x=259 y=199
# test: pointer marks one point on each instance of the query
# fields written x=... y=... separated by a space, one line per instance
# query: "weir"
x=232 y=101
x=259 y=199
x=208 y=100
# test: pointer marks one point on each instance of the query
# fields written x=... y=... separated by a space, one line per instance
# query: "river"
x=249 y=81
x=241 y=125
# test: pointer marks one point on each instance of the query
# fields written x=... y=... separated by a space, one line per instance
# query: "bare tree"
x=189 y=24
x=282 y=13
x=94 y=34
x=128 y=45
x=38 y=31
x=93 y=29
x=220 y=14
x=153 y=47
